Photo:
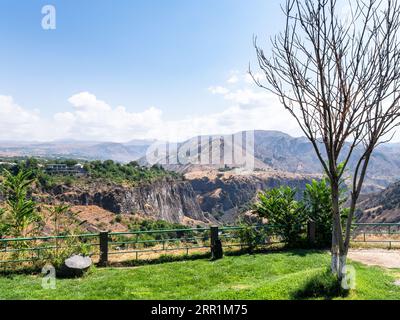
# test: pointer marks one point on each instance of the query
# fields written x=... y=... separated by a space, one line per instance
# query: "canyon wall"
x=226 y=195
x=167 y=199
x=207 y=198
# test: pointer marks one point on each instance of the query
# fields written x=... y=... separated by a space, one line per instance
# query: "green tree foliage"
x=129 y=173
x=63 y=220
x=61 y=217
x=148 y=225
x=106 y=171
x=4 y=226
x=20 y=212
x=318 y=205
x=284 y=213
x=253 y=237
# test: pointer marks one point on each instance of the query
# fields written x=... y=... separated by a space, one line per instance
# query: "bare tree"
x=338 y=74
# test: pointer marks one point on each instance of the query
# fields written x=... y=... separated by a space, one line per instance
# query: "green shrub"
x=318 y=205
x=108 y=171
x=252 y=236
x=66 y=248
x=63 y=220
x=20 y=216
x=285 y=215
x=132 y=172
x=147 y=225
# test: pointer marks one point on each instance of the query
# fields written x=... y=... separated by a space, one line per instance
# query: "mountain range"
x=277 y=151
x=273 y=150
x=85 y=150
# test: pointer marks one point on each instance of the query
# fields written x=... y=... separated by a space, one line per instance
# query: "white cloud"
x=248 y=96
x=95 y=119
x=252 y=108
x=242 y=96
x=218 y=90
x=233 y=79
x=86 y=100
x=16 y=122
x=269 y=116
x=259 y=76
x=91 y=118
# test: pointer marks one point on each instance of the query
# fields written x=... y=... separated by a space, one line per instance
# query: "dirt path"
x=377 y=257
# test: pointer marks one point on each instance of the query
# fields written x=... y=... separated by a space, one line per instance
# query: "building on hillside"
x=8 y=164
x=65 y=169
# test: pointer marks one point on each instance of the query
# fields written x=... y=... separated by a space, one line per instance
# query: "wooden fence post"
x=215 y=243
x=311 y=232
x=103 y=261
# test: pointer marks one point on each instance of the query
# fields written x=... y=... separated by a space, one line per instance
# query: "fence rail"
x=116 y=246
x=35 y=249
x=377 y=233
x=119 y=246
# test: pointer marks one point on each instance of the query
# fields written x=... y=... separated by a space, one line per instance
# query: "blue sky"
x=173 y=62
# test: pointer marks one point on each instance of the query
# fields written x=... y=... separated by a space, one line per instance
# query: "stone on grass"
x=75 y=266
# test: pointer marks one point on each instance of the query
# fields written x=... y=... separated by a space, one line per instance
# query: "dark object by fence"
x=103 y=261
x=311 y=232
x=216 y=244
x=74 y=267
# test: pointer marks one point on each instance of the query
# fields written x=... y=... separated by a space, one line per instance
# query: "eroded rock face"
x=381 y=207
x=205 y=198
x=225 y=195
x=168 y=200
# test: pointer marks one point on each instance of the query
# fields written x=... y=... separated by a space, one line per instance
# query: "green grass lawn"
x=277 y=275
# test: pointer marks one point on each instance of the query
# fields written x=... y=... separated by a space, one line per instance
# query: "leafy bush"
x=147 y=239
x=65 y=249
x=251 y=236
x=318 y=205
x=131 y=172
x=20 y=216
x=118 y=218
x=108 y=171
x=147 y=225
x=285 y=215
x=63 y=221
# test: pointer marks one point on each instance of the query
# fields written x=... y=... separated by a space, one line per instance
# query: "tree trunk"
x=342 y=265
x=335 y=250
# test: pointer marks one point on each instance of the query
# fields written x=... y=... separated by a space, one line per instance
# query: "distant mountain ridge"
x=86 y=150
x=283 y=152
x=273 y=150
